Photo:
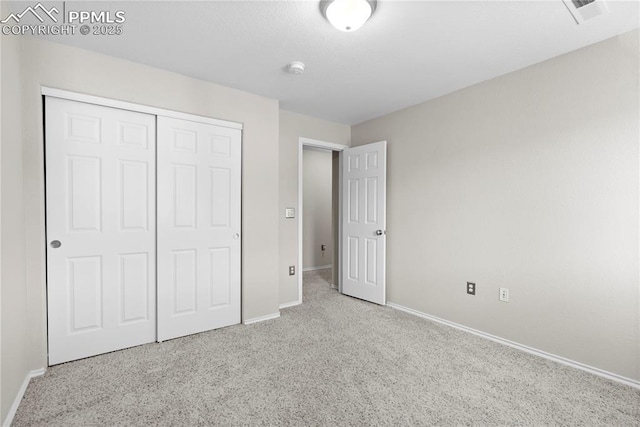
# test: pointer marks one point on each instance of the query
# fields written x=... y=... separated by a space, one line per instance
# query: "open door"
x=363 y=241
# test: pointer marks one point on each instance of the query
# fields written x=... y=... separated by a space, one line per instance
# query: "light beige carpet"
x=333 y=360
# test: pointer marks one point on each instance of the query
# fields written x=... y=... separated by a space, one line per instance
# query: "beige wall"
x=317 y=219
x=64 y=67
x=13 y=302
x=292 y=127
x=529 y=182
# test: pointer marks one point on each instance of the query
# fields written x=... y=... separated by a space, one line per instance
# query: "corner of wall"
x=13 y=302
x=543 y=207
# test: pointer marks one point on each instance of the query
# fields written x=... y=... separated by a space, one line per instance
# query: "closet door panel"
x=199 y=245
x=100 y=202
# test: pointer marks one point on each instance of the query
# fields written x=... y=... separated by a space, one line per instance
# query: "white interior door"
x=100 y=201
x=199 y=172
x=363 y=248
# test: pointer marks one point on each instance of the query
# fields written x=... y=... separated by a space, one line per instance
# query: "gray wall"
x=55 y=65
x=14 y=329
x=317 y=220
x=530 y=182
x=292 y=127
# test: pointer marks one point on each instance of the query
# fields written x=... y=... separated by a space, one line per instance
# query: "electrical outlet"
x=292 y=270
x=471 y=288
x=504 y=294
x=323 y=247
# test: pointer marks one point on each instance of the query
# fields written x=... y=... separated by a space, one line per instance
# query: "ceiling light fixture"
x=347 y=15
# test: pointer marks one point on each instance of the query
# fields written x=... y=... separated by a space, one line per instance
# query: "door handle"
x=236 y=236
x=379 y=232
x=55 y=244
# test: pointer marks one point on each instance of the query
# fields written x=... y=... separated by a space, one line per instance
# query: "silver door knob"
x=236 y=236
x=55 y=244
x=379 y=232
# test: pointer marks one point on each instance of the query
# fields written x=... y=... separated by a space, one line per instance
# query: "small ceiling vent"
x=585 y=10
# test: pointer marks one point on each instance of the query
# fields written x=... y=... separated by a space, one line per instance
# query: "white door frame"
x=130 y=106
x=308 y=142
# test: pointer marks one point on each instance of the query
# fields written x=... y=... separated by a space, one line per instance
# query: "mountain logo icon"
x=38 y=11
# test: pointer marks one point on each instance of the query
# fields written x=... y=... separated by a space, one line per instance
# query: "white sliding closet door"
x=199 y=171
x=100 y=187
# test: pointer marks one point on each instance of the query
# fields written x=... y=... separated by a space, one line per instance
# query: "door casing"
x=308 y=142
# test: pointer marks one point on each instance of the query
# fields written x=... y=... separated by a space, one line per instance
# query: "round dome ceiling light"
x=347 y=15
x=296 y=67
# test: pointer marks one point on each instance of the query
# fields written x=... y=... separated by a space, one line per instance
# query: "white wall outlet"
x=289 y=213
x=504 y=294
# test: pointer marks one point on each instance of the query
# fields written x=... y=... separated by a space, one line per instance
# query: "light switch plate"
x=504 y=294
x=289 y=213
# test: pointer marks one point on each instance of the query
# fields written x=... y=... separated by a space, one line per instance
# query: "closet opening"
x=143 y=224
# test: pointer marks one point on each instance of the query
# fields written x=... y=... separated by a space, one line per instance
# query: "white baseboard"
x=596 y=371
x=23 y=388
x=261 y=318
x=290 y=304
x=321 y=267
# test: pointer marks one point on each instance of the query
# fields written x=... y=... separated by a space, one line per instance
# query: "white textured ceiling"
x=409 y=52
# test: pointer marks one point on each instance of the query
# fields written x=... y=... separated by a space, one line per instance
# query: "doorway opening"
x=318 y=210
